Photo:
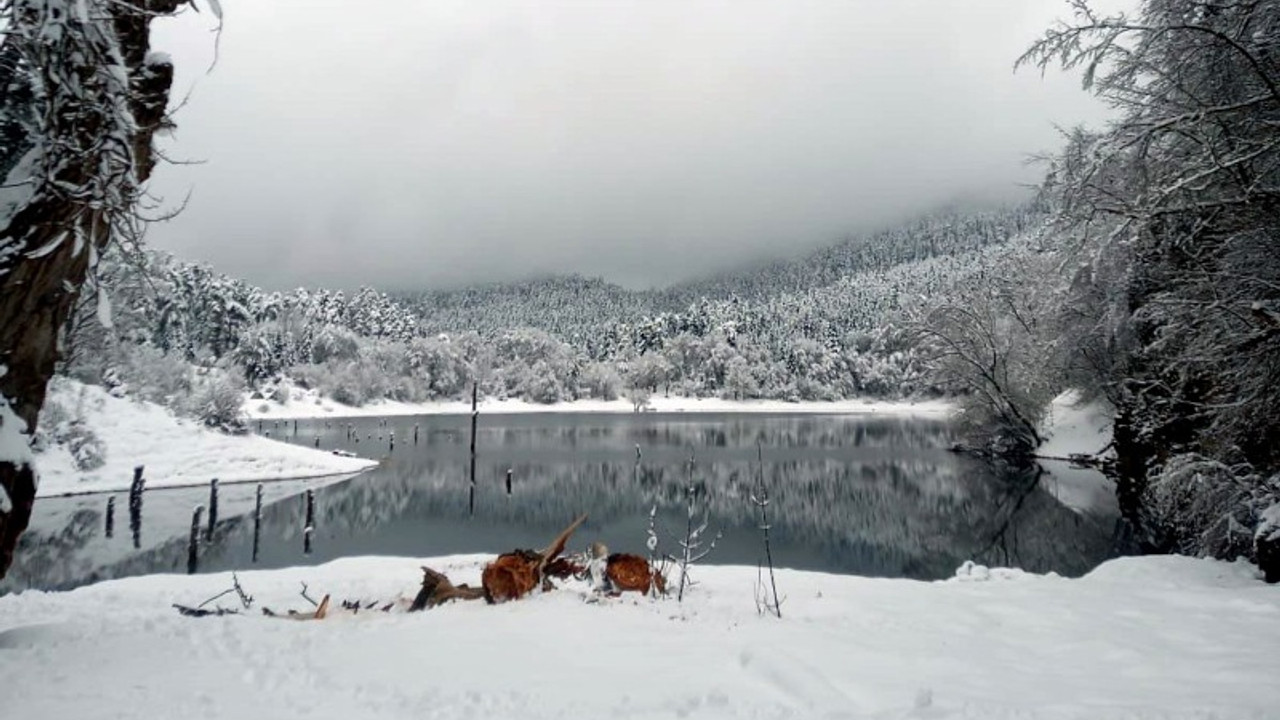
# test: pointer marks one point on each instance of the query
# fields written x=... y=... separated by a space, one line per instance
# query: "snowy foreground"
x=309 y=404
x=1157 y=638
x=174 y=451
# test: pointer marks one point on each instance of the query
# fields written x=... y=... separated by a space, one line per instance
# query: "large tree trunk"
x=92 y=150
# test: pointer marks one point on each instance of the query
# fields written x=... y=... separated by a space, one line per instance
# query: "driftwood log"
x=437 y=589
x=516 y=574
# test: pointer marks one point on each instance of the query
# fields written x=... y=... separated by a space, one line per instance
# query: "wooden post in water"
x=311 y=522
x=257 y=522
x=213 y=507
x=508 y=481
x=111 y=516
x=135 y=506
x=475 y=417
x=193 y=543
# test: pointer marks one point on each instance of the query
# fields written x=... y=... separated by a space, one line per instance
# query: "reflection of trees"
x=918 y=517
x=48 y=556
x=848 y=495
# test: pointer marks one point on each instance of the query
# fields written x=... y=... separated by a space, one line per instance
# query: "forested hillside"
x=830 y=325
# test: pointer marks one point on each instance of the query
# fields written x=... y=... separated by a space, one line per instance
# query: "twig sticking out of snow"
x=761 y=500
x=307 y=597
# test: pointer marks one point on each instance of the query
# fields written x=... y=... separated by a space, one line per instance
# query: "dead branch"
x=307 y=597
x=437 y=590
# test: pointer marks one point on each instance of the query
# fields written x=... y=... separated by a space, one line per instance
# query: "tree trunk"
x=94 y=158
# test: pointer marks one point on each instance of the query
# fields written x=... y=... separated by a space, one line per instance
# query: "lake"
x=869 y=495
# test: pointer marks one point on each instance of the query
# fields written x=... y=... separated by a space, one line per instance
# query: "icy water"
x=850 y=494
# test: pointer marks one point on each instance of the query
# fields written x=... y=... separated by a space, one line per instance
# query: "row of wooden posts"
x=354 y=436
x=138 y=487
x=193 y=542
x=198 y=526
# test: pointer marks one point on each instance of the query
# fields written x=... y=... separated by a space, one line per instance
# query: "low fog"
x=410 y=144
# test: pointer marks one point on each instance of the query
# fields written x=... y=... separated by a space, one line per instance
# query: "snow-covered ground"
x=1072 y=426
x=174 y=451
x=309 y=404
x=1156 y=638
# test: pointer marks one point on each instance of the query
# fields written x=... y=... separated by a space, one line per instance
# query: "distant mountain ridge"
x=573 y=307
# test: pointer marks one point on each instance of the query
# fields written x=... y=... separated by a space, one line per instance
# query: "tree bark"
x=77 y=208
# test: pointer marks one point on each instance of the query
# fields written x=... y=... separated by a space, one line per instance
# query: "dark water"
x=865 y=495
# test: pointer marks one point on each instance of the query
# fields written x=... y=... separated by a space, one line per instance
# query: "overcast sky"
x=430 y=143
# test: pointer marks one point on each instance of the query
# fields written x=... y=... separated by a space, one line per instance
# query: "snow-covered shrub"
x=639 y=398
x=217 y=402
x=334 y=343
x=440 y=364
x=600 y=380
x=65 y=426
x=541 y=383
x=88 y=452
x=152 y=375
x=1200 y=506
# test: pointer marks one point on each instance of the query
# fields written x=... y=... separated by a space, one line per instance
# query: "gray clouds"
x=406 y=144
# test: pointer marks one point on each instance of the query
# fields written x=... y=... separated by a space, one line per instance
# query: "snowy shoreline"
x=1152 y=638
x=180 y=485
x=310 y=406
x=174 y=452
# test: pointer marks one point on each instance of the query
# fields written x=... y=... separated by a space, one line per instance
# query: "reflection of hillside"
x=872 y=496
x=916 y=517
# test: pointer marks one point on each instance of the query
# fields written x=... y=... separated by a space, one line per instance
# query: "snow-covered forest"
x=836 y=324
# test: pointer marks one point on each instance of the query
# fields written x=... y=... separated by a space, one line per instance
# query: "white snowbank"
x=1073 y=427
x=309 y=404
x=174 y=451
x=1157 y=638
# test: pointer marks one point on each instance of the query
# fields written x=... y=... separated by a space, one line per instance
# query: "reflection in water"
x=859 y=495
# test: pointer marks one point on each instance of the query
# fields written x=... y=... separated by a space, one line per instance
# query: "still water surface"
x=850 y=494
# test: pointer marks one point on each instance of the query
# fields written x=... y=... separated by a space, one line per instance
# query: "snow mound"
x=972 y=572
x=174 y=451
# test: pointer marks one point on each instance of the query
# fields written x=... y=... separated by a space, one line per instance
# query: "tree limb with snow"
x=78 y=149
